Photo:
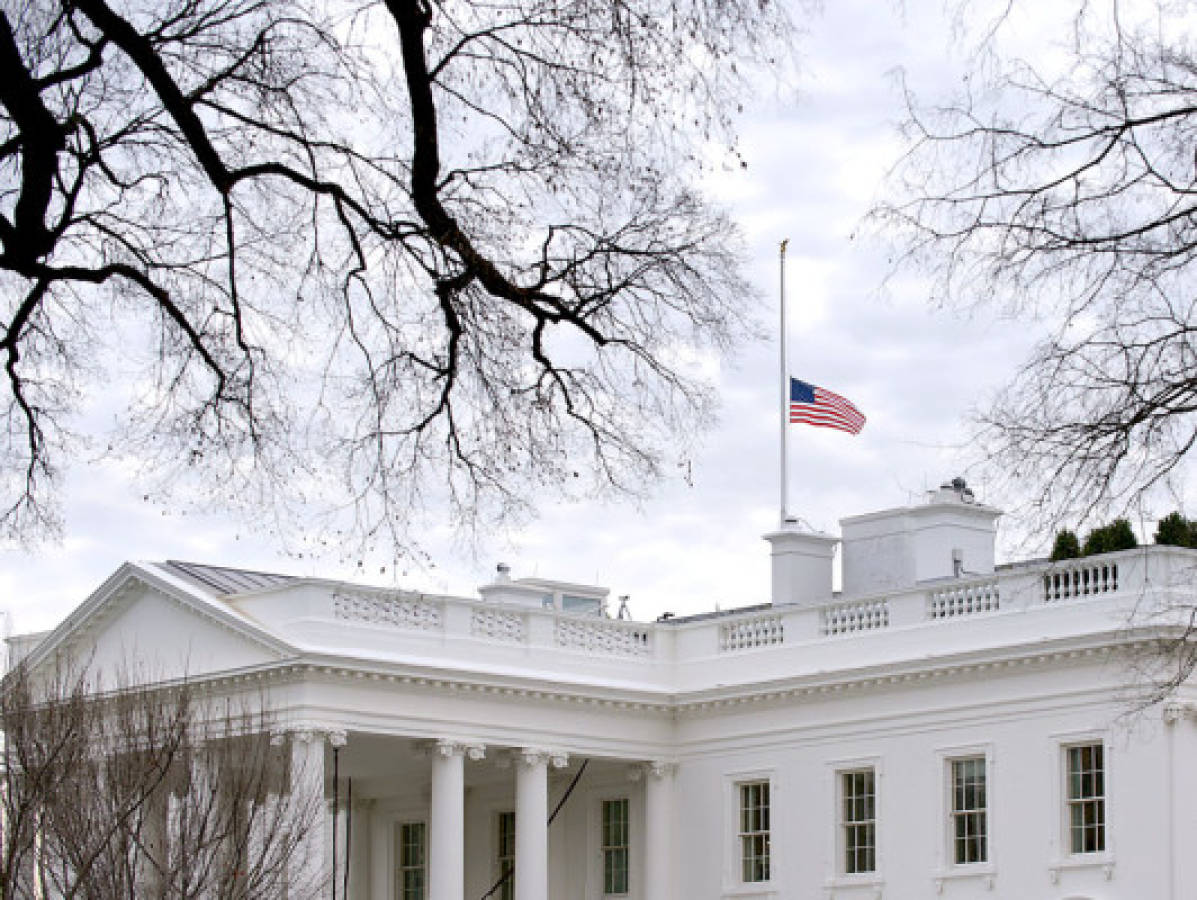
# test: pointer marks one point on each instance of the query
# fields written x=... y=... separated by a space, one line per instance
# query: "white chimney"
x=950 y=535
x=801 y=566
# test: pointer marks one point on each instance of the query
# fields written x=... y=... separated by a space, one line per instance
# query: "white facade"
x=904 y=691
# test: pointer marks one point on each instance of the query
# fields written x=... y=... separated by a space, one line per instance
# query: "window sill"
x=1082 y=862
x=983 y=872
x=855 y=886
x=753 y=889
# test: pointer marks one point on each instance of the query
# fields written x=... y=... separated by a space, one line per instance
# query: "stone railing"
x=1080 y=579
x=498 y=625
x=397 y=610
x=854 y=615
x=605 y=636
x=499 y=629
x=461 y=617
x=751 y=633
x=964 y=600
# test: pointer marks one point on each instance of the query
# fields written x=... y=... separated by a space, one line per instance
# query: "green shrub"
x=1066 y=545
x=1117 y=535
x=1177 y=531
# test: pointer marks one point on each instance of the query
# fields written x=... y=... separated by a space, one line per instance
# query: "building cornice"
x=1086 y=650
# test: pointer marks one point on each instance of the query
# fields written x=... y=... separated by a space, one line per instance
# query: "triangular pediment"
x=139 y=624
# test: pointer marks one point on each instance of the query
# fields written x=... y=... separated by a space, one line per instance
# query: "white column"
x=154 y=837
x=333 y=832
x=381 y=849
x=446 y=826
x=360 y=850
x=531 y=822
x=307 y=875
x=659 y=871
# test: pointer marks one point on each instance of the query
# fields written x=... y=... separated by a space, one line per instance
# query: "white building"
x=938 y=728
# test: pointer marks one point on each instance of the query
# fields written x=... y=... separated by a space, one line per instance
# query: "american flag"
x=812 y=405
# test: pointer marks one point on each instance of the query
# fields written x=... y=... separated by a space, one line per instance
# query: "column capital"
x=538 y=756
x=657 y=768
x=660 y=768
x=307 y=734
x=447 y=747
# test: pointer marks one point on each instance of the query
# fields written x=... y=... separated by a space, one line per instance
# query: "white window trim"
x=495 y=868
x=396 y=859
x=1063 y=858
x=406 y=811
x=946 y=865
x=733 y=886
x=632 y=791
x=836 y=876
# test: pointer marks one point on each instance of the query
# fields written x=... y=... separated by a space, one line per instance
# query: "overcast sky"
x=815 y=164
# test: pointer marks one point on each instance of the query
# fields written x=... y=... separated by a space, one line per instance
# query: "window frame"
x=847 y=827
x=506 y=891
x=947 y=868
x=733 y=866
x=955 y=814
x=1067 y=833
x=1056 y=754
x=748 y=836
x=401 y=867
x=836 y=877
x=605 y=848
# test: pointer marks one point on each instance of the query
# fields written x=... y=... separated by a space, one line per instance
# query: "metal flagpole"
x=785 y=382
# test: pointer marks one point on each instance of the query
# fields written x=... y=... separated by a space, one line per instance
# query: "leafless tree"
x=1065 y=188
x=143 y=792
x=360 y=258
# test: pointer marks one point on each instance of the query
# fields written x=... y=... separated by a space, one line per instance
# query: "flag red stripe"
x=824 y=417
x=837 y=401
x=805 y=413
x=839 y=426
x=848 y=416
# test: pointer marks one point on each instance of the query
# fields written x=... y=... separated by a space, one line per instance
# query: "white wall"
x=1020 y=722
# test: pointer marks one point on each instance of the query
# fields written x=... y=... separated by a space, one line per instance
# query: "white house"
x=940 y=727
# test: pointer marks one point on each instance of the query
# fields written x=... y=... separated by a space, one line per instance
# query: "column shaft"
x=659 y=871
x=306 y=877
x=531 y=827
x=446 y=831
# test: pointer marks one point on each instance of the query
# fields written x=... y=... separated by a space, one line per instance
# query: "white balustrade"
x=854 y=615
x=751 y=633
x=495 y=625
x=605 y=636
x=503 y=627
x=1081 y=579
x=964 y=600
x=396 y=610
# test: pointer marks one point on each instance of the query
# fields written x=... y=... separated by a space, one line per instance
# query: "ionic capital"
x=447 y=747
x=659 y=768
x=656 y=769
x=537 y=756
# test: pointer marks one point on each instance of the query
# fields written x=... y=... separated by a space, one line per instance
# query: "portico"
x=449 y=798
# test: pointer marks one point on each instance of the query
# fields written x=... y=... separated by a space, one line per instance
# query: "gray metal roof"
x=223 y=581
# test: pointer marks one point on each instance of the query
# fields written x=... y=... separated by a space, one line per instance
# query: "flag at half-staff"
x=811 y=405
